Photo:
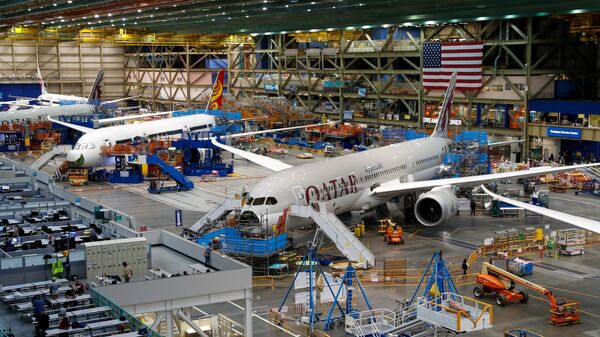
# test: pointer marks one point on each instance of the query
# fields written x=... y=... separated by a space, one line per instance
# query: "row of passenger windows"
x=384 y=172
x=426 y=160
x=262 y=201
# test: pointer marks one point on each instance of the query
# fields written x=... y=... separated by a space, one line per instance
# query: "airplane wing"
x=252 y=133
x=130 y=117
x=508 y=142
x=72 y=126
x=120 y=99
x=264 y=161
x=589 y=224
x=396 y=187
x=20 y=103
x=270 y=163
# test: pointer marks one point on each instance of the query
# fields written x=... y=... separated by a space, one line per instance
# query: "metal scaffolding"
x=321 y=71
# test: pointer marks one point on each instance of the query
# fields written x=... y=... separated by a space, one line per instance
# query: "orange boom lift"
x=496 y=280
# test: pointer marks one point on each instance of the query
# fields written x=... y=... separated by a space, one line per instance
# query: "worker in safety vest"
x=388 y=232
x=57 y=268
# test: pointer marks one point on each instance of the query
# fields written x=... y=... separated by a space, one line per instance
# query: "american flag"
x=441 y=59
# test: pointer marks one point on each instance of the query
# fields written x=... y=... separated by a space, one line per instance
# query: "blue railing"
x=134 y=323
x=233 y=242
x=3 y=333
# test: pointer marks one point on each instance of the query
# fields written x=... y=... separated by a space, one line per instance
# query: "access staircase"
x=215 y=214
x=592 y=172
x=48 y=156
x=349 y=245
x=183 y=183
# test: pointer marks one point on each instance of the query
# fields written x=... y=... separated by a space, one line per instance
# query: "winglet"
x=216 y=98
x=42 y=84
x=72 y=126
x=441 y=127
x=96 y=92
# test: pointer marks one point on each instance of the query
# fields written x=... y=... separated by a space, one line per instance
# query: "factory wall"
x=67 y=67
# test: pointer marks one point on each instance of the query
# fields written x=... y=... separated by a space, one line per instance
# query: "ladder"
x=46 y=157
x=216 y=213
x=592 y=172
x=336 y=231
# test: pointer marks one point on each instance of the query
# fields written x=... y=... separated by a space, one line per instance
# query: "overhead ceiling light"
x=96 y=16
x=151 y=15
x=109 y=14
x=264 y=8
x=54 y=5
x=247 y=16
x=85 y=17
x=70 y=1
x=29 y=9
x=139 y=10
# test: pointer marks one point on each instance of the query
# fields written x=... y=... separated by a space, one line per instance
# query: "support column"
x=528 y=56
x=248 y=314
x=169 y=317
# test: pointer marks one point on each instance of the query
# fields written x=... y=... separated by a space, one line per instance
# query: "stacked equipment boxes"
x=108 y=256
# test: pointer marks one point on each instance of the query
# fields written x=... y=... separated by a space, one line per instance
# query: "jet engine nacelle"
x=436 y=206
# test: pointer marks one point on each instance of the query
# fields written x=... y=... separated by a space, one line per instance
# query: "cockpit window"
x=83 y=146
x=258 y=201
x=250 y=201
x=271 y=201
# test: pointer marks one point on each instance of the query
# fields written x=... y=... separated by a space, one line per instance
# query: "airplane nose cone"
x=75 y=157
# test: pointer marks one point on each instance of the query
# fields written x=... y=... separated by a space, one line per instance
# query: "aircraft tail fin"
x=216 y=98
x=441 y=127
x=96 y=92
x=42 y=84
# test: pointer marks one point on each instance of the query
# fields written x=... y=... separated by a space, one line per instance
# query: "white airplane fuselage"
x=40 y=113
x=87 y=151
x=344 y=183
x=55 y=99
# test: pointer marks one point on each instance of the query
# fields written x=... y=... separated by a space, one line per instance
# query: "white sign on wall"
x=429 y=120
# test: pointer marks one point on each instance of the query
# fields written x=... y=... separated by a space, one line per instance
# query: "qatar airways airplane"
x=366 y=180
x=83 y=106
x=49 y=99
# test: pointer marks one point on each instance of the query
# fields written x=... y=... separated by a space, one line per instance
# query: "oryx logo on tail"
x=42 y=84
x=96 y=92
x=441 y=127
